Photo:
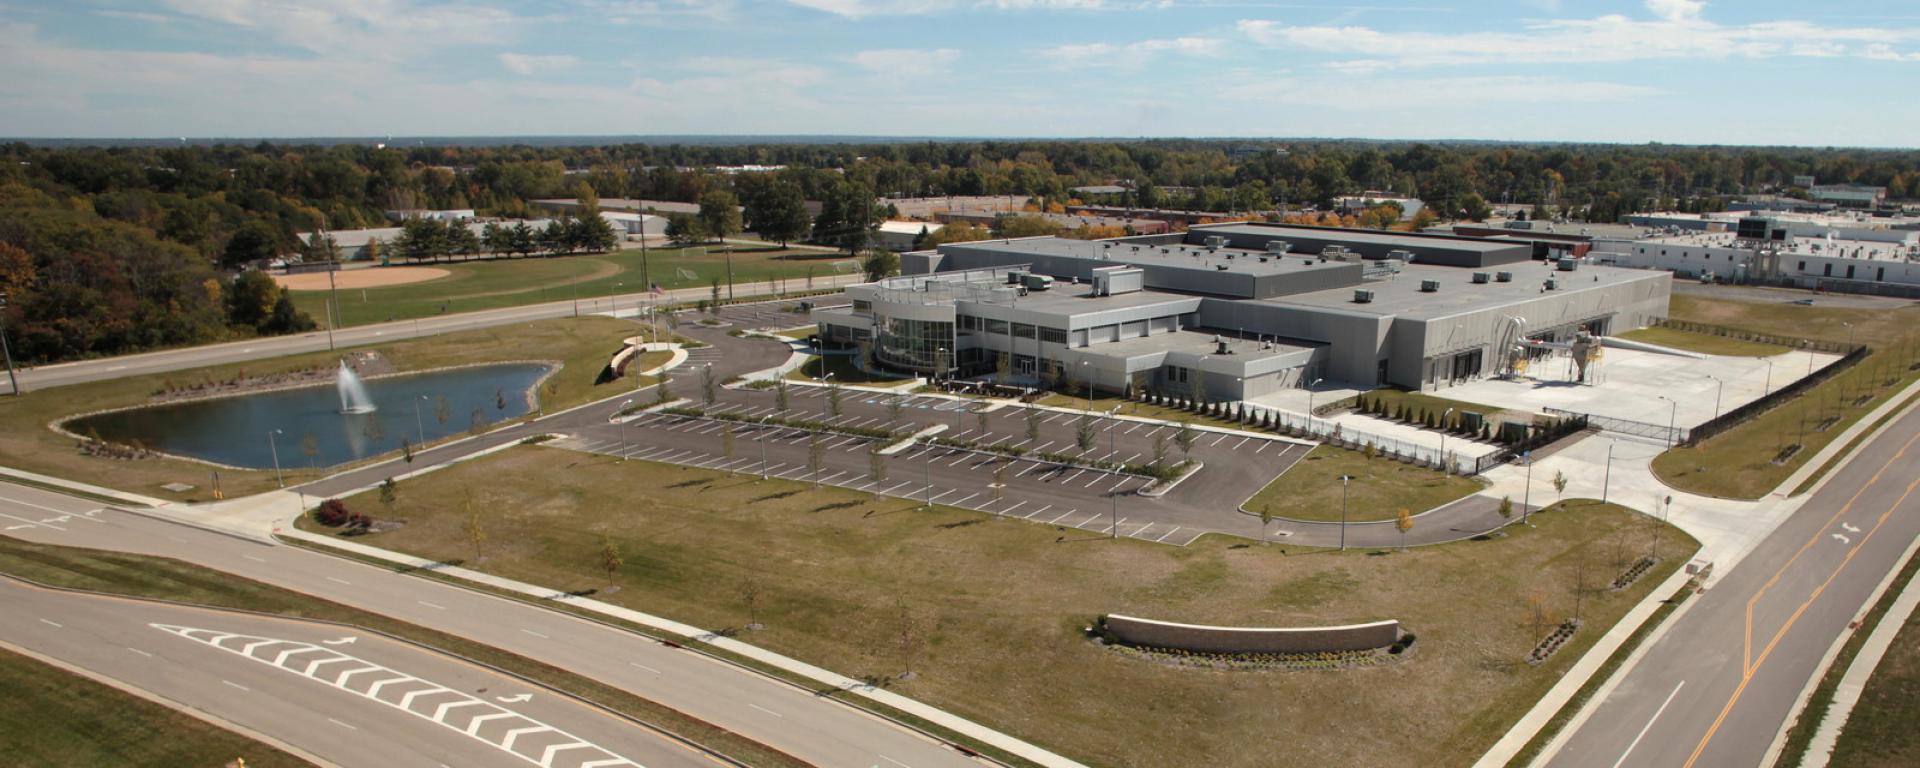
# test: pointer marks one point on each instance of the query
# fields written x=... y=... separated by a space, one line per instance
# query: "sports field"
x=474 y=285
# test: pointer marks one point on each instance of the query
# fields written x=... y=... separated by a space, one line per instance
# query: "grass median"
x=166 y=579
x=1380 y=488
x=1703 y=343
x=590 y=278
x=992 y=609
x=27 y=442
x=52 y=717
x=1746 y=461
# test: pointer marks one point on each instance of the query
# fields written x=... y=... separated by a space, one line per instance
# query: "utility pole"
x=1344 y=481
x=4 y=348
x=729 y=271
x=333 y=299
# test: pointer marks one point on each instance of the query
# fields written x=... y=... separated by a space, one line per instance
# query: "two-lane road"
x=348 y=698
x=1720 y=684
x=797 y=721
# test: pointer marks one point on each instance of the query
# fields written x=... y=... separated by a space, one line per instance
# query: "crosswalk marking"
x=446 y=713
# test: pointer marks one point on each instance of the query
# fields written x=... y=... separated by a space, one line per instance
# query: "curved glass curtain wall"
x=914 y=344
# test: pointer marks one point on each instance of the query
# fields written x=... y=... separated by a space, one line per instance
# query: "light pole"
x=1311 y=389
x=1526 y=497
x=11 y=378
x=1446 y=466
x=761 y=438
x=624 y=404
x=419 y=427
x=1607 y=480
x=929 y=476
x=1767 y=389
x=1719 y=386
x=1344 y=480
x=1087 y=379
x=274 y=446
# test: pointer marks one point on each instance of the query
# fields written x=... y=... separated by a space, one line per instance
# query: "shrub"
x=332 y=514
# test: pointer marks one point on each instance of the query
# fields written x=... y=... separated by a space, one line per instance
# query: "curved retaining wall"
x=1194 y=637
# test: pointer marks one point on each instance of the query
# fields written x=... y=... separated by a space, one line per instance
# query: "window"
x=862 y=305
x=1803 y=265
x=1023 y=330
x=1053 y=335
x=915 y=344
x=969 y=323
x=995 y=326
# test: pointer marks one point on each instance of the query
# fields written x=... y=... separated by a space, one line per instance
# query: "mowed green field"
x=996 y=607
x=476 y=285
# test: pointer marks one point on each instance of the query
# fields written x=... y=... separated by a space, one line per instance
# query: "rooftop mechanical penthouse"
x=1240 y=310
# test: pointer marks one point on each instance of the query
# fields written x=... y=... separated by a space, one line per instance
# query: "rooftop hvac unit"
x=1429 y=286
x=1569 y=263
x=1552 y=283
x=1362 y=296
x=1278 y=246
x=1216 y=241
x=1013 y=277
x=1220 y=267
x=1400 y=255
x=1503 y=277
x=1481 y=278
x=1263 y=259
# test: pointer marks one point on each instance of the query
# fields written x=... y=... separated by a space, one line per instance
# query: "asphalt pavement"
x=1722 y=680
x=352 y=698
x=795 y=720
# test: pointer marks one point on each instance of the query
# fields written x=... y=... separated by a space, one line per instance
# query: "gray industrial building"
x=1247 y=308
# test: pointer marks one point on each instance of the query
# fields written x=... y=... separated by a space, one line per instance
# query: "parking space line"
x=1091 y=518
x=963 y=502
x=963 y=457
x=1163 y=537
x=1030 y=515
x=1076 y=473
x=942 y=495
x=1117 y=483
x=1016 y=505
x=1243 y=441
x=1062 y=516
x=1137 y=425
x=829 y=478
x=889 y=491
x=1096 y=478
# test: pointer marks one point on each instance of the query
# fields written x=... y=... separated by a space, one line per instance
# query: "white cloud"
x=857 y=9
x=385 y=28
x=1678 y=32
x=658 y=12
x=910 y=62
x=150 y=18
x=1400 y=94
x=527 y=64
x=1133 y=54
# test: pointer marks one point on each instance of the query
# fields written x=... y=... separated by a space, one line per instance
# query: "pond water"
x=312 y=432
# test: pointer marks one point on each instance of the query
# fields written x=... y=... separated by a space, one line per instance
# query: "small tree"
x=1083 y=434
x=833 y=398
x=1159 y=450
x=1184 y=438
x=713 y=304
x=907 y=637
x=1033 y=422
x=1579 y=583
x=1403 y=521
x=1266 y=519
x=1000 y=478
x=610 y=559
x=876 y=464
x=1369 y=451
x=750 y=593
x=662 y=393
x=389 y=493
x=709 y=385
x=726 y=442
x=980 y=422
x=780 y=402
x=816 y=456
x=406 y=449
x=1559 y=484
x=475 y=529
x=1506 y=508
x=893 y=409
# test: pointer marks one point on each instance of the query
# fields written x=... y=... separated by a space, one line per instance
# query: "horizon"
x=1683 y=72
x=726 y=139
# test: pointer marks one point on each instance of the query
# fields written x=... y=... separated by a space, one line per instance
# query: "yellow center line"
x=1748 y=672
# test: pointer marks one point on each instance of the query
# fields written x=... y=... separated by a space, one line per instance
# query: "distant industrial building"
x=1768 y=252
x=451 y=214
x=1239 y=310
x=1849 y=195
x=1370 y=199
x=905 y=235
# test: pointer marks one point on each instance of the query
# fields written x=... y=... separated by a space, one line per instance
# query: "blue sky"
x=1678 y=71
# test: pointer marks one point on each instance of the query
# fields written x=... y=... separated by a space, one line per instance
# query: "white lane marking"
x=1062 y=516
x=341 y=724
x=255 y=559
x=339 y=580
x=30 y=523
x=764 y=709
x=963 y=457
x=431 y=605
x=645 y=667
x=963 y=502
x=51 y=623
x=1163 y=537
x=535 y=634
x=1030 y=515
x=889 y=491
x=942 y=495
x=141 y=652
x=1016 y=505
x=1095 y=479
x=895 y=762
x=443 y=713
x=236 y=685
x=1243 y=441
x=1648 y=726
x=1264 y=444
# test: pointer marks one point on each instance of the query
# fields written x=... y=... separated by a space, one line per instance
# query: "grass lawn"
x=998 y=606
x=1420 y=401
x=1142 y=410
x=1380 y=488
x=1880 y=729
x=51 y=717
x=1704 y=343
x=167 y=579
x=1738 y=463
x=798 y=333
x=583 y=345
x=843 y=370
x=478 y=285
